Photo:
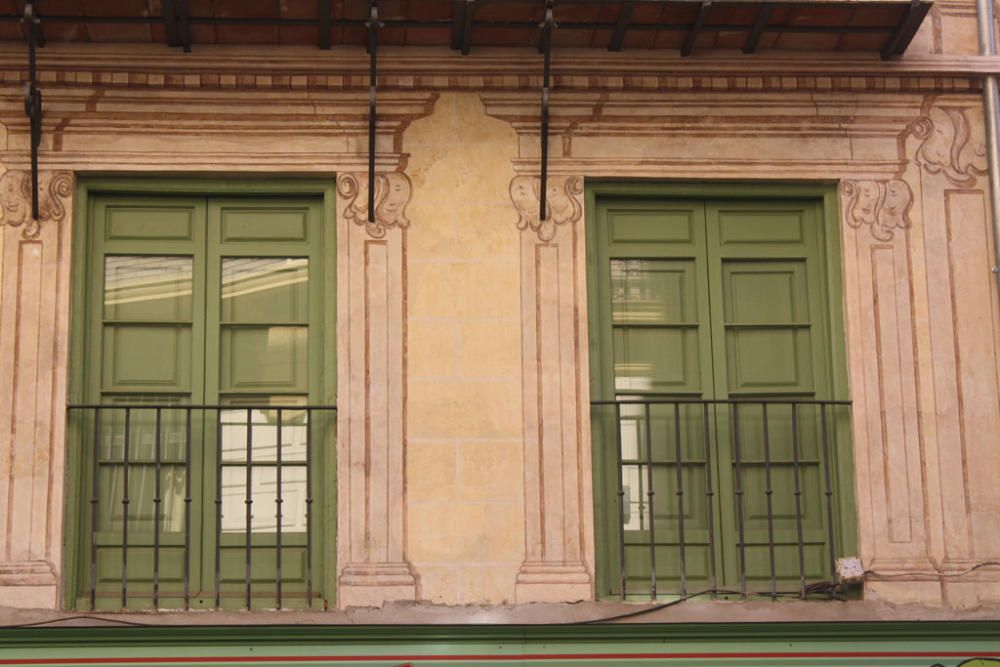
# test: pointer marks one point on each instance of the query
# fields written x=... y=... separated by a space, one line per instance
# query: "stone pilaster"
x=371 y=445
x=33 y=351
x=554 y=355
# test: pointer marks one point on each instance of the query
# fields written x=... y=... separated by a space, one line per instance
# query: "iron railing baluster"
x=710 y=499
x=769 y=497
x=621 y=498
x=650 y=492
x=828 y=491
x=218 y=508
x=187 y=510
x=679 y=462
x=125 y=504
x=798 y=500
x=95 y=500
x=249 y=507
x=309 y=504
x=277 y=514
x=157 y=506
x=740 y=527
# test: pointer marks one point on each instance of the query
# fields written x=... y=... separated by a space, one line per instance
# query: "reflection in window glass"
x=147 y=287
x=265 y=289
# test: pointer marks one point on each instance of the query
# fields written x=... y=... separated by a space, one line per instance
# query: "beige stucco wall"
x=481 y=393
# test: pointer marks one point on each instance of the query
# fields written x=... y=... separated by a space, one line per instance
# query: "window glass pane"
x=264 y=494
x=141 y=497
x=265 y=289
x=265 y=429
x=147 y=287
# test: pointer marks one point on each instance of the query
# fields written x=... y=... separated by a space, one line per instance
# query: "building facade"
x=745 y=325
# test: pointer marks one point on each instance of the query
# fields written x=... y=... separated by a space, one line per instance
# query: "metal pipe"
x=987 y=47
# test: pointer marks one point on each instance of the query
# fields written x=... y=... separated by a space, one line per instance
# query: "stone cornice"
x=285 y=68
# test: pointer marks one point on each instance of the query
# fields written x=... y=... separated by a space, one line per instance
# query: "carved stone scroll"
x=948 y=147
x=882 y=206
x=562 y=199
x=558 y=523
x=15 y=199
x=392 y=193
x=371 y=445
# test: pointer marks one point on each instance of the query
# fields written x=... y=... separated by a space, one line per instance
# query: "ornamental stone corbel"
x=562 y=198
x=883 y=206
x=54 y=190
x=392 y=194
x=948 y=147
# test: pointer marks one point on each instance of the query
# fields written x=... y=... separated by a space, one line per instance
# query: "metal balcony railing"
x=191 y=505
x=730 y=498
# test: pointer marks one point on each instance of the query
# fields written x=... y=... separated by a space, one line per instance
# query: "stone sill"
x=526 y=614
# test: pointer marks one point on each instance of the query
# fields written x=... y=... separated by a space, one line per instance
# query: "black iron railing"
x=185 y=499
x=721 y=497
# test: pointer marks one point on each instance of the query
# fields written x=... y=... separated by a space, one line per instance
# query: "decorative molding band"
x=54 y=189
x=563 y=199
x=947 y=148
x=392 y=194
x=607 y=82
x=291 y=67
x=28 y=573
x=882 y=206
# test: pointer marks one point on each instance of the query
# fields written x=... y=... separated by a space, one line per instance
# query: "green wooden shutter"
x=710 y=300
x=217 y=301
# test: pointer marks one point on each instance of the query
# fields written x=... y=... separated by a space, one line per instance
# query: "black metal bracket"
x=33 y=101
x=176 y=25
x=905 y=30
x=699 y=23
x=621 y=26
x=373 y=26
x=546 y=45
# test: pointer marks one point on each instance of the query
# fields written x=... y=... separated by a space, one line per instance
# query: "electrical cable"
x=948 y=575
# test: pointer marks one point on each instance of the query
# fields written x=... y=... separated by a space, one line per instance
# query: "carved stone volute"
x=392 y=194
x=54 y=190
x=562 y=199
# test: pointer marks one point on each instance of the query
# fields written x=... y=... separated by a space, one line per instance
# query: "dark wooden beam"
x=699 y=23
x=758 y=28
x=170 y=23
x=324 y=13
x=906 y=29
x=470 y=10
x=621 y=26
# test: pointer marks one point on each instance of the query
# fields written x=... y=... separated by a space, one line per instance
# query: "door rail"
x=129 y=438
x=686 y=465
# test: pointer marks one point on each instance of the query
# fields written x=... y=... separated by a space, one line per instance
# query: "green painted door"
x=204 y=301
x=702 y=301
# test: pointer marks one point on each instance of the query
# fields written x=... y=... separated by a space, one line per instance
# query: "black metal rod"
x=679 y=463
x=278 y=514
x=621 y=498
x=187 y=510
x=740 y=527
x=546 y=44
x=708 y=401
x=911 y=16
x=218 y=508
x=33 y=102
x=183 y=24
x=323 y=22
x=769 y=499
x=829 y=494
x=193 y=406
x=247 y=548
x=94 y=502
x=798 y=501
x=650 y=493
x=470 y=11
x=170 y=23
x=621 y=26
x=157 y=507
x=309 y=504
x=125 y=504
x=710 y=498
x=699 y=25
x=372 y=110
x=759 y=26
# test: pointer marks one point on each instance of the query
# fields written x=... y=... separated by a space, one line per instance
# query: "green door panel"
x=702 y=299
x=196 y=300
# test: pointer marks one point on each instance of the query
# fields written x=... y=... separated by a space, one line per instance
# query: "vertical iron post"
x=33 y=101
x=546 y=46
x=372 y=118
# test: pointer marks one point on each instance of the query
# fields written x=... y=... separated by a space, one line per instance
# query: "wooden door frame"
x=87 y=188
x=825 y=195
